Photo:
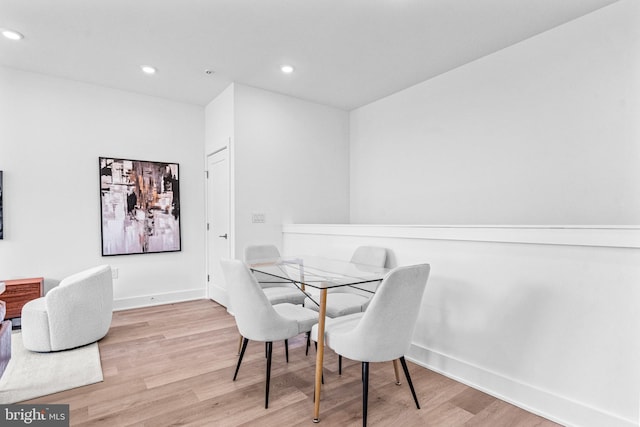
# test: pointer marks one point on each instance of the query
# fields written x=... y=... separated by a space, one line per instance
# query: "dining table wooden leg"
x=320 y=354
x=397 y=371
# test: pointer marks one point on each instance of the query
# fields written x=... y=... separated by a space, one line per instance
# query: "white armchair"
x=76 y=312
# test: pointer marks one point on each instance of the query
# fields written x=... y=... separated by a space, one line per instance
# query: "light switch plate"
x=257 y=218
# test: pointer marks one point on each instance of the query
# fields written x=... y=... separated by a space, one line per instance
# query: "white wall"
x=291 y=162
x=219 y=135
x=543 y=132
x=52 y=132
x=219 y=121
x=544 y=318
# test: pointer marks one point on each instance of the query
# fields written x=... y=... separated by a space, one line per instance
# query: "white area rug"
x=30 y=375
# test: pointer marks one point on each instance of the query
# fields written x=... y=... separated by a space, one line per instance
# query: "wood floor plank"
x=173 y=365
x=472 y=400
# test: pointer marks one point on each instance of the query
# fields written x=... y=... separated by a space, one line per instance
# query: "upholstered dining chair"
x=257 y=319
x=276 y=291
x=346 y=300
x=384 y=331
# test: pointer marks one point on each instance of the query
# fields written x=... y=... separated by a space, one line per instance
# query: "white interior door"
x=218 y=233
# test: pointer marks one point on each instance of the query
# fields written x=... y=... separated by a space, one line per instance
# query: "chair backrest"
x=386 y=328
x=370 y=255
x=254 y=253
x=366 y=255
x=255 y=316
x=257 y=252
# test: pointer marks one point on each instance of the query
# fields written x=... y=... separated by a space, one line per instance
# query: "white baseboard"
x=219 y=294
x=157 y=299
x=556 y=408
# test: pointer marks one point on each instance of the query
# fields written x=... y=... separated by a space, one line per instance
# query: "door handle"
x=224 y=236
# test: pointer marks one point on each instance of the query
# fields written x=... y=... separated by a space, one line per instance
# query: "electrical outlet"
x=114 y=273
x=257 y=218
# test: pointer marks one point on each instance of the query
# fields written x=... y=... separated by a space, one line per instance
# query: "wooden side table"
x=19 y=292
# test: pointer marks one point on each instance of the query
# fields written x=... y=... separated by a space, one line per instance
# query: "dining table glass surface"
x=318 y=272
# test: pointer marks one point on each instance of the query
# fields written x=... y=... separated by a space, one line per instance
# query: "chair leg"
x=396 y=370
x=406 y=374
x=286 y=350
x=306 y=353
x=266 y=391
x=365 y=391
x=339 y=365
x=244 y=347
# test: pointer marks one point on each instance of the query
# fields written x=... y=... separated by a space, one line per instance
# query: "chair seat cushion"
x=306 y=318
x=344 y=323
x=341 y=304
x=284 y=294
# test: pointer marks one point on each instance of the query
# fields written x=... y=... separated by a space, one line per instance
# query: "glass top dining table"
x=323 y=274
x=317 y=272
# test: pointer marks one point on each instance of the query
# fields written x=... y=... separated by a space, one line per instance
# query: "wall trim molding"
x=157 y=299
x=549 y=405
x=595 y=236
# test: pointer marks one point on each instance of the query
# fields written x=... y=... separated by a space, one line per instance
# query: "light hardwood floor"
x=173 y=365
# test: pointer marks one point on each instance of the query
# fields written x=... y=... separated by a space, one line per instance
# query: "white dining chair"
x=384 y=331
x=257 y=319
x=276 y=290
x=346 y=300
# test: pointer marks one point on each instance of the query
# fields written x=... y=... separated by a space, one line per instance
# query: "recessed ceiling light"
x=148 y=69
x=287 y=69
x=12 y=35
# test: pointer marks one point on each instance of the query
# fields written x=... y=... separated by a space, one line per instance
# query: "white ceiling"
x=347 y=53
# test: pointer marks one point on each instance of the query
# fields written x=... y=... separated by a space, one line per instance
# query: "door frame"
x=231 y=210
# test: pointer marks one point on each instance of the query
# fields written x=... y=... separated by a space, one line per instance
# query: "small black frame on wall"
x=139 y=206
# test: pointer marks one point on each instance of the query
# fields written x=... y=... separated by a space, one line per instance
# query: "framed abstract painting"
x=139 y=206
